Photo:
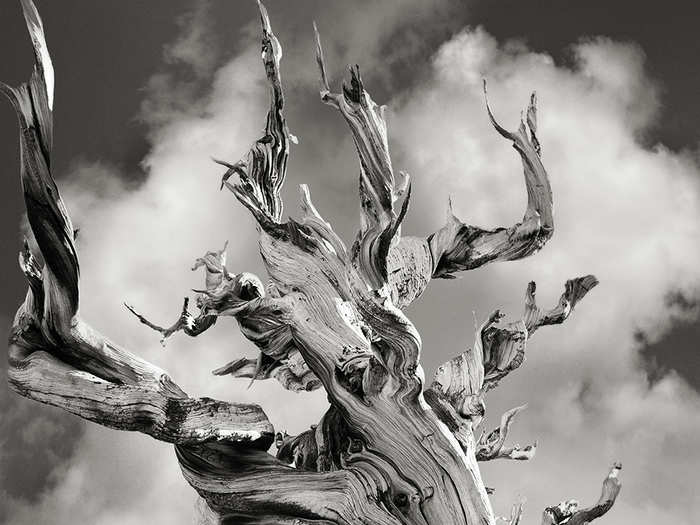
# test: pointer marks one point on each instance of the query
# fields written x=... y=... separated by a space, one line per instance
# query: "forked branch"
x=500 y=349
x=456 y=247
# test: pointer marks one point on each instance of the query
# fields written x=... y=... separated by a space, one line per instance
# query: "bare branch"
x=492 y=445
x=292 y=371
x=221 y=288
x=263 y=171
x=568 y=511
x=574 y=291
x=52 y=228
x=56 y=358
x=458 y=247
x=499 y=349
x=272 y=492
x=378 y=189
x=189 y=324
x=154 y=406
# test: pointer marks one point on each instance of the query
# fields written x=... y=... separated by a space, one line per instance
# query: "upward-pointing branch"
x=568 y=512
x=379 y=224
x=457 y=247
x=263 y=170
x=462 y=382
x=48 y=218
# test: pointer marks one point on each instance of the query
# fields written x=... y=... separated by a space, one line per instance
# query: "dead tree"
x=390 y=449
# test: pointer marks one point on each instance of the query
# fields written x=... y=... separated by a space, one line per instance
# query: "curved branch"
x=154 y=406
x=413 y=262
x=56 y=358
x=250 y=487
x=569 y=513
x=52 y=228
x=192 y=326
x=291 y=371
x=458 y=247
x=228 y=294
x=574 y=291
x=493 y=445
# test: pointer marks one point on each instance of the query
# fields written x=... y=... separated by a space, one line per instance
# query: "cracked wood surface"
x=388 y=451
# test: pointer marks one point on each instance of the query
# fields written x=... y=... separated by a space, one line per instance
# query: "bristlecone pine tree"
x=389 y=450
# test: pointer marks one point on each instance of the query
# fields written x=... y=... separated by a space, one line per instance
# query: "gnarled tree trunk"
x=390 y=450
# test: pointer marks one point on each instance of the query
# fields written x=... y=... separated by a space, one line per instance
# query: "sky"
x=148 y=92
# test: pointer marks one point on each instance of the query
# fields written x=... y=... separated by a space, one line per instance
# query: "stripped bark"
x=387 y=451
x=568 y=511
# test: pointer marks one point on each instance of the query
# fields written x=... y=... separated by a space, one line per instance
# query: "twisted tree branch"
x=385 y=452
x=493 y=445
x=568 y=511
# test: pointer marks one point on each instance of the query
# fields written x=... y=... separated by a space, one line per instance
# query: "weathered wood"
x=568 y=511
x=387 y=451
x=463 y=382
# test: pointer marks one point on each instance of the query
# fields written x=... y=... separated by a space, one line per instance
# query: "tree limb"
x=492 y=445
x=386 y=452
x=458 y=247
x=463 y=381
x=263 y=171
x=500 y=349
x=249 y=487
x=569 y=513
x=378 y=189
x=57 y=359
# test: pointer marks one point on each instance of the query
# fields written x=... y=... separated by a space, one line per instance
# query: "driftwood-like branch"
x=378 y=188
x=458 y=247
x=386 y=452
x=493 y=445
x=499 y=350
x=187 y=323
x=568 y=511
x=263 y=170
x=54 y=356
x=237 y=295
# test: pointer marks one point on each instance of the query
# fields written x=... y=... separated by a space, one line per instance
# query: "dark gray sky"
x=105 y=53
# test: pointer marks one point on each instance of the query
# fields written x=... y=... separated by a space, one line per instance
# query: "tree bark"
x=388 y=451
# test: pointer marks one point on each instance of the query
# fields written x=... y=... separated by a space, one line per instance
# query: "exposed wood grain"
x=569 y=512
x=387 y=451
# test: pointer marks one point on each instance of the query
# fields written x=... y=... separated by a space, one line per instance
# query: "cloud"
x=624 y=212
x=188 y=64
x=627 y=213
x=40 y=436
